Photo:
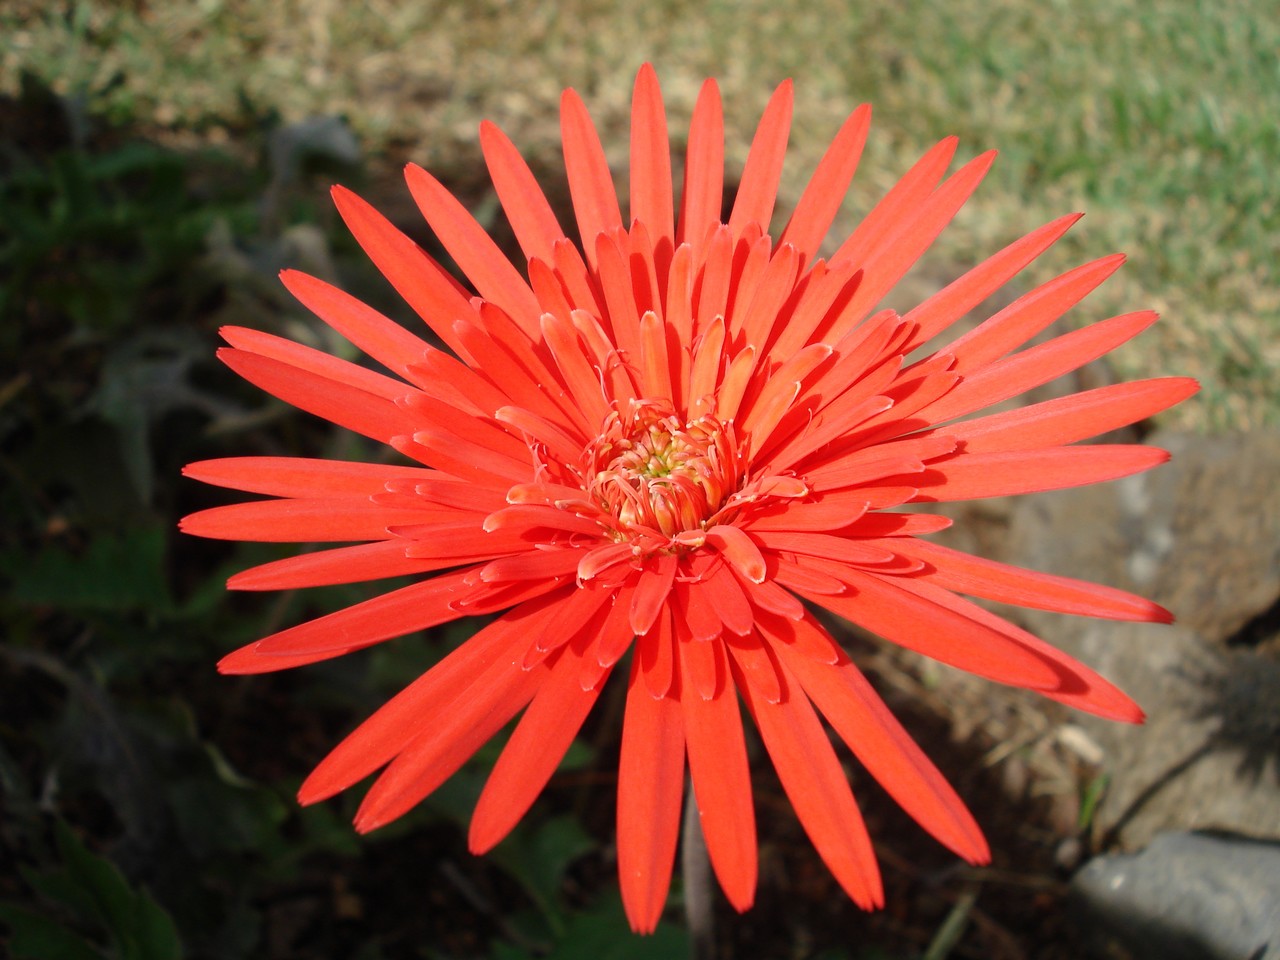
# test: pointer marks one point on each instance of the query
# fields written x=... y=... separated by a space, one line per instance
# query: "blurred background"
x=162 y=160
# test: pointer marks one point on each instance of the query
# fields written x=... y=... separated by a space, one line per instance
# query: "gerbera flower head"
x=677 y=440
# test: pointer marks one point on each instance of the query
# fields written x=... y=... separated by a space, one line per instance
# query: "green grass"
x=1157 y=118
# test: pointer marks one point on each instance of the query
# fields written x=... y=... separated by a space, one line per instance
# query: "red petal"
x=758 y=187
x=833 y=511
x=446 y=741
x=754 y=666
x=844 y=549
x=652 y=589
x=702 y=196
x=471 y=247
x=656 y=655
x=533 y=565
x=582 y=379
x=977 y=475
x=415 y=607
x=434 y=296
x=530 y=215
x=865 y=724
x=651 y=200
x=816 y=785
x=301 y=477
x=886 y=265
x=756 y=318
x=1036 y=365
x=697 y=617
x=896 y=612
x=964 y=573
x=896 y=207
x=1068 y=419
x=534 y=751
x=490 y=653
x=306 y=521
x=650 y=784
x=338 y=402
x=364 y=561
x=900 y=524
x=721 y=783
x=381 y=338
x=959 y=297
x=820 y=202
x=1029 y=314
x=595 y=199
x=1077 y=685
x=738 y=550
x=616 y=283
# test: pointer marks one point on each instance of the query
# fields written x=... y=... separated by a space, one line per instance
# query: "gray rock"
x=1186 y=897
x=1201 y=536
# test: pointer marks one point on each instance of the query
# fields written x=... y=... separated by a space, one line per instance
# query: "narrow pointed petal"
x=1038 y=365
x=655 y=367
x=652 y=590
x=964 y=573
x=703 y=193
x=959 y=297
x=865 y=724
x=832 y=511
x=758 y=188
x=895 y=207
x=380 y=337
x=816 y=786
x=893 y=612
x=887 y=264
x=300 y=476
x=722 y=787
x=979 y=475
x=820 y=202
x=314 y=361
x=699 y=620
x=651 y=198
x=1077 y=686
x=1079 y=416
x=1029 y=314
x=530 y=215
x=323 y=568
x=738 y=550
x=395 y=724
x=584 y=381
x=595 y=200
x=305 y=521
x=534 y=751
x=415 y=607
x=650 y=788
x=755 y=667
x=434 y=296
x=347 y=406
x=471 y=247
x=442 y=746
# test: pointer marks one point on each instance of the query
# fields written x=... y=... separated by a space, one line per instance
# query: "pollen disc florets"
x=652 y=471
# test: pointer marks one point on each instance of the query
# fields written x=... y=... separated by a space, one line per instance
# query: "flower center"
x=653 y=472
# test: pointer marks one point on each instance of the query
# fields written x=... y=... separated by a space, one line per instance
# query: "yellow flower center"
x=651 y=469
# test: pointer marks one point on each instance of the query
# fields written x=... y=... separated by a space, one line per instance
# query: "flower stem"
x=696 y=869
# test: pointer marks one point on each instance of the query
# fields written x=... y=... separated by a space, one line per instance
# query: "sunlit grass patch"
x=1158 y=119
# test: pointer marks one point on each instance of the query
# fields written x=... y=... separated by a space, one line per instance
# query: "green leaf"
x=114 y=573
x=33 y=936
x=538 y=858
x=602 y=933
x=138 y=928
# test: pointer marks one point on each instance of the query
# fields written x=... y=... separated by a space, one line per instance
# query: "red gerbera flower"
x=665 y=443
